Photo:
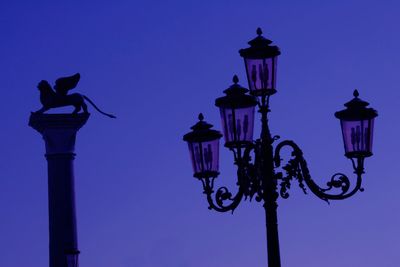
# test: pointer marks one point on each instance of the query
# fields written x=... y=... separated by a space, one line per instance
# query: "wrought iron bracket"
x=248 y=182
x=221 y=196
x=297 y=168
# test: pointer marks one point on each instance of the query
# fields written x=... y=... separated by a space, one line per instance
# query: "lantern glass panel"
x=261 y=74
x=204 y=156
x=238 y=124
x=357 y=136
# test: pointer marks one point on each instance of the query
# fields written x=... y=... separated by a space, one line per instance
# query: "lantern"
x=260 y=60
x=237 y=115
x=204 y=149
x=357 y=122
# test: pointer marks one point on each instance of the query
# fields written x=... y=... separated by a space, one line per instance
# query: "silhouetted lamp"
x=357 y=123
x=261 y=63
x=262 y=173
x=237 y=115
x=204 y=149
x=72 y=257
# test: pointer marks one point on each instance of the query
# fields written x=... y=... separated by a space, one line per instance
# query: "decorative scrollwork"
x=338 y=180
x=223 y=200
x=285 y=185
x=221 y=196
x=292 y=172
x=297 y=168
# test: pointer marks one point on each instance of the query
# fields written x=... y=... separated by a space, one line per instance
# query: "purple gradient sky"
x=156 y=65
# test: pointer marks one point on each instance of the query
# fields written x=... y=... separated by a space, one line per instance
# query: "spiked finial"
x=355 y=93
x=201 y=117
x=235 y=79
x=259 y=31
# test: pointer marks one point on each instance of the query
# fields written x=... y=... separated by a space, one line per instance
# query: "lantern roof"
x=356 y=109
x=202 y=132
x=236 y=97
x=259 y=48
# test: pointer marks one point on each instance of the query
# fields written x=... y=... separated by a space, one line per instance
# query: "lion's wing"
x=64 y=84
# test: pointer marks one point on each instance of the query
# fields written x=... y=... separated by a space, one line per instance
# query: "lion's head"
x=44 y=87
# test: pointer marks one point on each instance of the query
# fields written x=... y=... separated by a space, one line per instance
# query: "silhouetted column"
x=59 y=133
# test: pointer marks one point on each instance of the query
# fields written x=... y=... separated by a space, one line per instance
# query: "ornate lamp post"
x=260 y=178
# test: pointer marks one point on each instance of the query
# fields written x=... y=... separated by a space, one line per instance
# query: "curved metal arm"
x=297 y=168
x=221 y=196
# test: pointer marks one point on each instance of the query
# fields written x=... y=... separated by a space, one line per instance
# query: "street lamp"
x=204 y=149
x=260 y=177
x=261 y=63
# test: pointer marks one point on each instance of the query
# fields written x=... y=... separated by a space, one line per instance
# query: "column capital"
x=58 y=130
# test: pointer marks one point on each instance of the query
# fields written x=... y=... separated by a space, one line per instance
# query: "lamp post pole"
x=59 y=133
x=264 y=177
x=270 y=188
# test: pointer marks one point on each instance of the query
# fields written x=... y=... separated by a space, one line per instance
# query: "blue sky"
x=156 y=65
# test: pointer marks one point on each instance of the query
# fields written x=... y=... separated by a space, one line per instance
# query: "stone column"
x=59 y=133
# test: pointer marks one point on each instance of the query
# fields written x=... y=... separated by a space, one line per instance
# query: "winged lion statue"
x=59 y=97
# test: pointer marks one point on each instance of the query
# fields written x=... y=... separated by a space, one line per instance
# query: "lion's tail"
x=94 y=105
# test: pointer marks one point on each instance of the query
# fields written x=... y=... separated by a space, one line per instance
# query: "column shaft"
x=59 y=133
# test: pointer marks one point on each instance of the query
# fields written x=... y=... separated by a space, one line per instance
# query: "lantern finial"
x=235 y=79
x=355 y=93
x=201 y=117
x=259 y=31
